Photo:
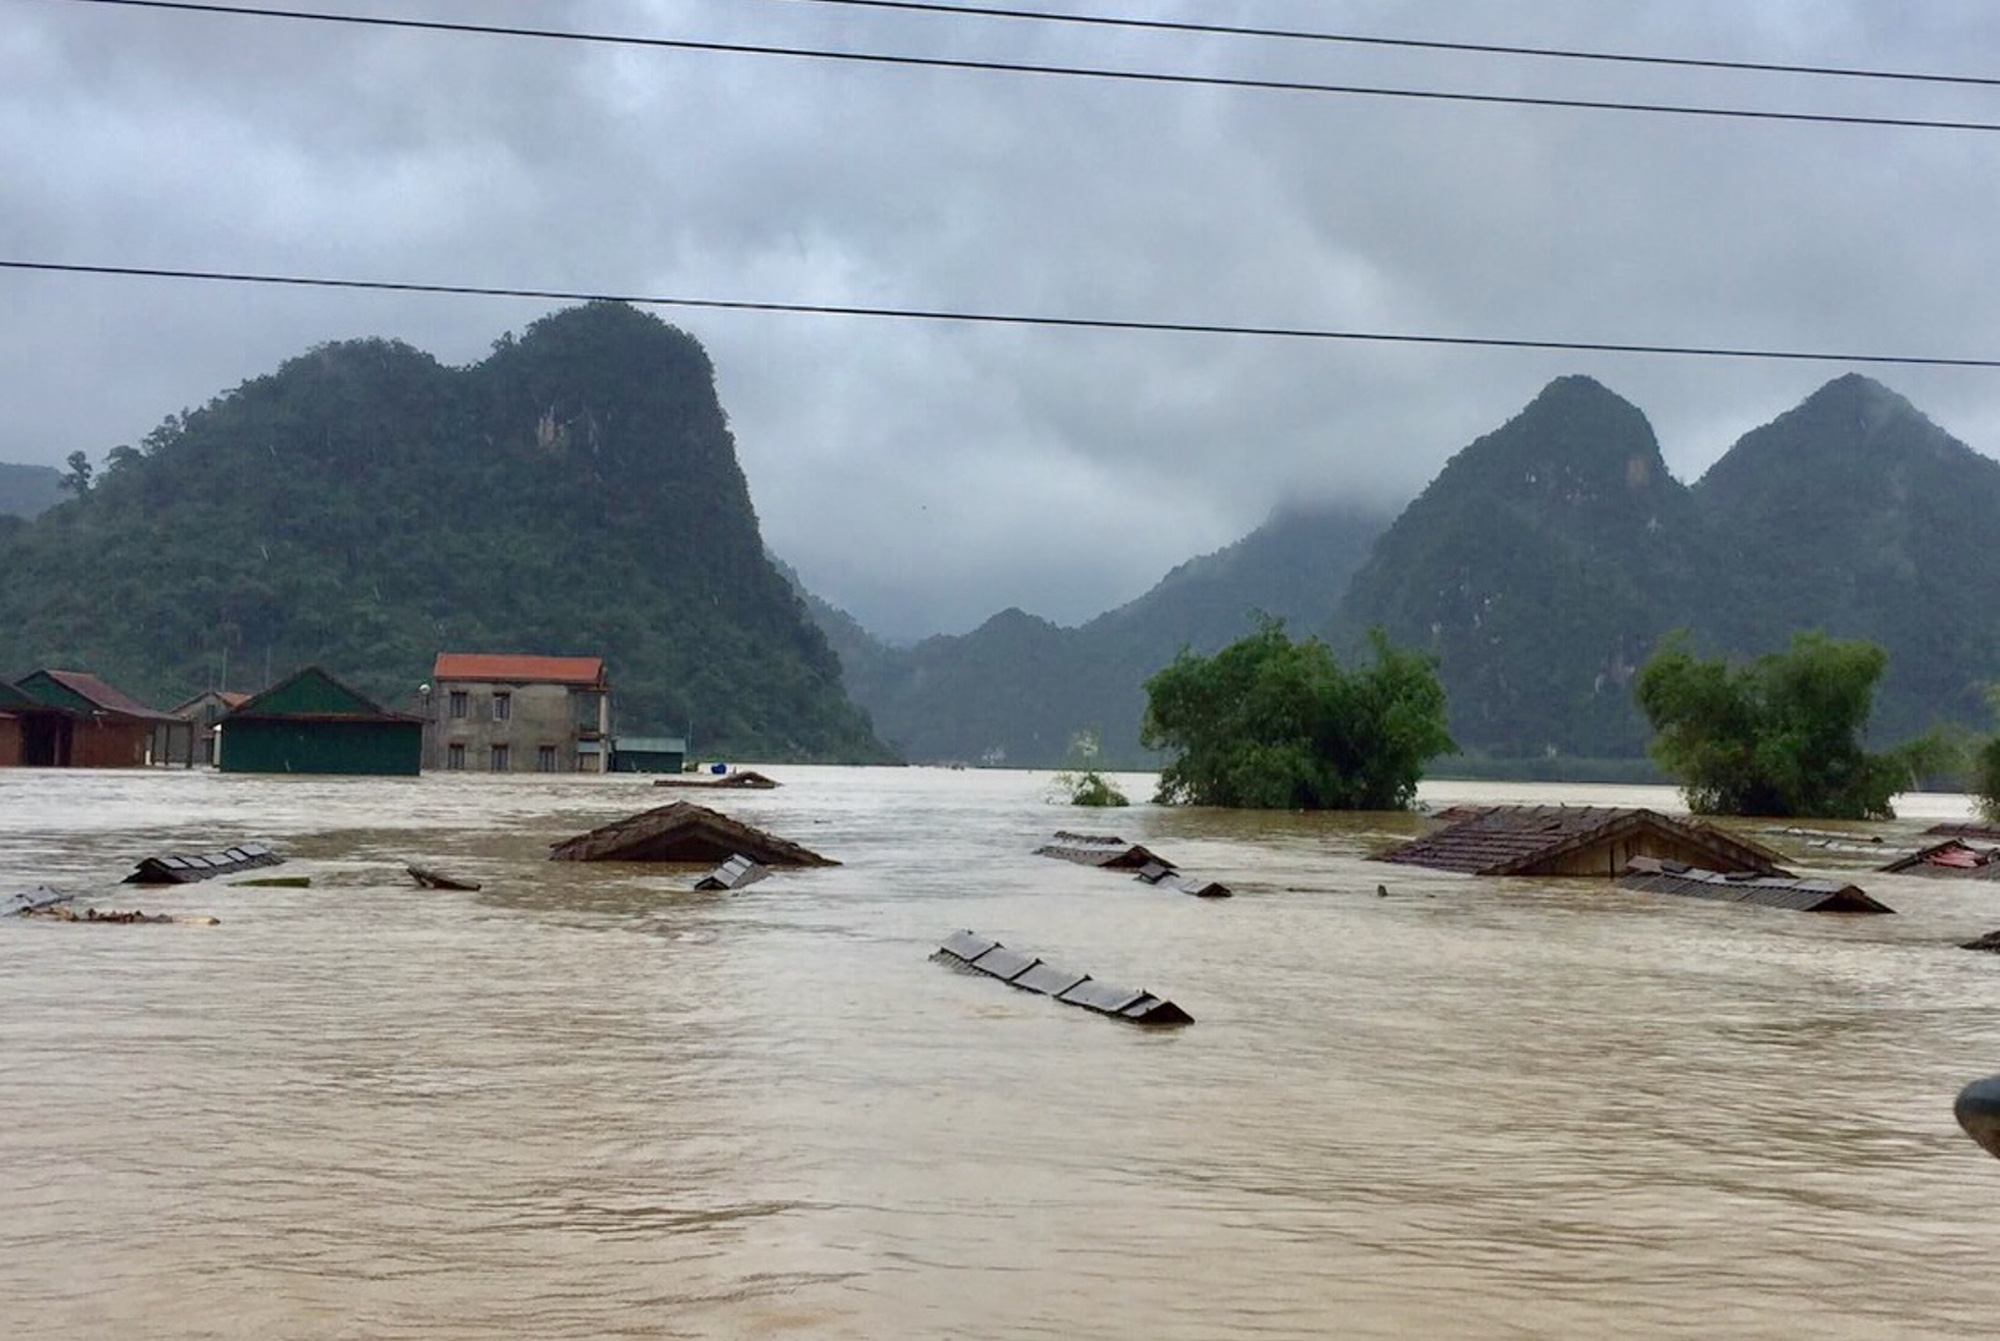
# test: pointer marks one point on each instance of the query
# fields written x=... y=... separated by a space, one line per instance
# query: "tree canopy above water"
x=1781 y=736
x=1269 y=723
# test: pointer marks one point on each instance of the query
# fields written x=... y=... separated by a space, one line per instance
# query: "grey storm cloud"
x=925 y=475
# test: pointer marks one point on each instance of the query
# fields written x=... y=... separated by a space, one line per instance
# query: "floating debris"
x=431 y=879
x=1952 y=859
x=968 y=949
x=184 y=870
x=1771 y=891
x=275 y=882
x=683 y=833
x=1990 y=943
x=37 y=900
x=728 y=782
x=64 y=913
x=1574 y=840
x=735 y=873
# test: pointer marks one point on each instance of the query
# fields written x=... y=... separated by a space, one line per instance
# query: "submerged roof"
x=683 y=832
x=1966 y=830
x=518 y=669
x=1545 y=840
x=1954 y=857
x=1771 y=891
x=1101 y=849
x=80 y=691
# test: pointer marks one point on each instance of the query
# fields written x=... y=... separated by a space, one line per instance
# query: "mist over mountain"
x=1018 y=689
x=28 y=491
x=1540 y=566
x=365 y=507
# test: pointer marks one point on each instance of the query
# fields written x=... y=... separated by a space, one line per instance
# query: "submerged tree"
x=1080 y=783
x=1268 y=723
x=1781 y=736
x=1985 y=780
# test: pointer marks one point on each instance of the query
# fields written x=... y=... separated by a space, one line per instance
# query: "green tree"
x=1268 y=723
x=77 y=478
x=1780 y=736
x=1080 y=783
x=1984 y=783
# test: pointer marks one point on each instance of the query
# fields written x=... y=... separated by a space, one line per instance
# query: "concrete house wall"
x=523 y=715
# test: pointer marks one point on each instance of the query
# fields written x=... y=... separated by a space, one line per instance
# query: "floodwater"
x=585 y=1102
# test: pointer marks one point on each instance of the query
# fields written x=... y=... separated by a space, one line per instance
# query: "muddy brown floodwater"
x=584 y=1102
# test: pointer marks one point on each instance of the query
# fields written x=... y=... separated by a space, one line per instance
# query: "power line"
x=1062 y=71
x=1412 y=43
x=999 y=318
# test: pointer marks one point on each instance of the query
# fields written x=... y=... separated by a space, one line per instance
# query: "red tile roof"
x=518 y=669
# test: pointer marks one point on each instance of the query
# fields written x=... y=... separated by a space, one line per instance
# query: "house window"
x=454 y=756
x=545 y=759
x=503 y=707
x=499 y=758
x=459 y=706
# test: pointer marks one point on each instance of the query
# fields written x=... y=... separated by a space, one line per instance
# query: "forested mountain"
x=365 y=508
x=28 y=491
x=1540 y=566
x=1018 y=689
x=1855 y=514
x=1544 y=561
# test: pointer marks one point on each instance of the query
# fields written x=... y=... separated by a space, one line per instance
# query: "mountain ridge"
x=365 y=507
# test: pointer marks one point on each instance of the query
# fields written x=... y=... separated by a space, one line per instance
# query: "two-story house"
x=493 y=713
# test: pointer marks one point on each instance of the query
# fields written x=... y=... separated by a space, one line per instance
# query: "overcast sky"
x=925 y=476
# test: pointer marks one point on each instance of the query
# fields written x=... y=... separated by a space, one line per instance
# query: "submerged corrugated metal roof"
x=1769 y=891
x=1101 y=849
x=518 y=669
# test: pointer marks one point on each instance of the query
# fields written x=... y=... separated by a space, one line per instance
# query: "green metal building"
x=648 y=754
x=312 y=723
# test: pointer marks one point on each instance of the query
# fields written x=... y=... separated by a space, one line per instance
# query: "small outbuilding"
x=312 y=723
x=193 y=742
x=79 y=721
x=648 y=754
x=1575 y=840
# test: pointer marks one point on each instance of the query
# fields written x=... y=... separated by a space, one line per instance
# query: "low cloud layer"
x=926 y=475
